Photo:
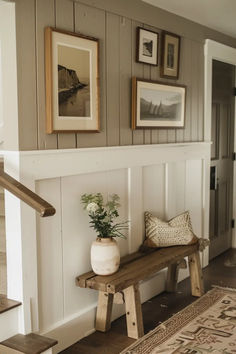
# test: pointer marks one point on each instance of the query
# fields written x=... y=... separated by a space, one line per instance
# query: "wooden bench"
x=134 y=268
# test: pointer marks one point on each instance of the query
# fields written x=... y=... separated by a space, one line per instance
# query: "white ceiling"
x=217 y=14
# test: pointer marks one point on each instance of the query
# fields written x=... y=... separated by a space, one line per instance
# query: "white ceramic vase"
x=105 y=256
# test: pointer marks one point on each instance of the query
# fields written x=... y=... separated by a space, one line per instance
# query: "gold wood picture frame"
x=157 y=105
x=72 y=82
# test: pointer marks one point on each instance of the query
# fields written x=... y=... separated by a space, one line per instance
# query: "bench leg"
x=196 y=274
x=172 y=275
x=172 y=278
x=104 y=309
x=133 y=308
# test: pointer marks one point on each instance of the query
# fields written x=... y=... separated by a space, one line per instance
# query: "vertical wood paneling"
x=50 y=260
x=26 y=72
x=125 y=81
x=113 y=78
x=65 y=20
x=117 y=41
x=137 y=70
x=91 y=21
x=43 y=19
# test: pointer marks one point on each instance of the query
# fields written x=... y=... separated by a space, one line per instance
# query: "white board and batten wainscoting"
x=50 y=252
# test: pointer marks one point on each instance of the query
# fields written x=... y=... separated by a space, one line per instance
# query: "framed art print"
x=72 y=82
x=170 y=55
x=147 y=46
x=157 y=105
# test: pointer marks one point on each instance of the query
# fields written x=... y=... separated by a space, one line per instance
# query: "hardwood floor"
x=158 y=309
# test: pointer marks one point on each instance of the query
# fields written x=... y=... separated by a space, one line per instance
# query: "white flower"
x=92 y=207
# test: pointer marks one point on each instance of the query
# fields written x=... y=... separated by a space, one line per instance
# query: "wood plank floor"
x=158 y=309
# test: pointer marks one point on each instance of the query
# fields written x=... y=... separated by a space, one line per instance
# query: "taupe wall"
x=114 y=22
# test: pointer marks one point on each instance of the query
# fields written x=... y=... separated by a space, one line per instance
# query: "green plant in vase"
x=105 y=255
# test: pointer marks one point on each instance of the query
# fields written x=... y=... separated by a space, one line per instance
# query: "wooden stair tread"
x=29 y=344
x=7 y=304
x=137 y=265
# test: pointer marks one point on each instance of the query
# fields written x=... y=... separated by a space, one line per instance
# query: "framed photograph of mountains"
x=147 y=46
x=157 y=105
x=72 y=82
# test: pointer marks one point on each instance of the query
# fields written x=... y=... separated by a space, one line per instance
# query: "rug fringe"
x=223 y=288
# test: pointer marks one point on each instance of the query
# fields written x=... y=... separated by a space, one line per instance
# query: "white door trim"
x=226 y=54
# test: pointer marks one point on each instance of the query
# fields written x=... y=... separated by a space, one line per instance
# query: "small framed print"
x=147 y=46
x=72 y=82
x=157 y=105
x=170 y=55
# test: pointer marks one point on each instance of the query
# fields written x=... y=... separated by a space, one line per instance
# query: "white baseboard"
x=74 y=330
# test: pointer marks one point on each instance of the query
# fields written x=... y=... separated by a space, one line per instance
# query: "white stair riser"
x=9 y=324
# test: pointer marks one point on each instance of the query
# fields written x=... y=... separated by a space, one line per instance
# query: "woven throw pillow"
x=177 y=231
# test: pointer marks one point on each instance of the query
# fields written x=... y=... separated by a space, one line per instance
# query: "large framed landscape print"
x=157 y=105
x=72 y=82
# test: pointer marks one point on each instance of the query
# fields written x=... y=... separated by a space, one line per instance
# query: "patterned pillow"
x=177 y=231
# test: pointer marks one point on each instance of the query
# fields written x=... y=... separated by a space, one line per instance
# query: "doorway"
x=225 y=54
x=221 y=173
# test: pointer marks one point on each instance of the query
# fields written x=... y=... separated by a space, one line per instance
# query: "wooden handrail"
x=25 y=194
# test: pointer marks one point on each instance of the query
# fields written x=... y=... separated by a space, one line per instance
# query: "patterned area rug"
x=206 y=326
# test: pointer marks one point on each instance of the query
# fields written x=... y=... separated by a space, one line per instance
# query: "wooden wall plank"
x=125 y=80
x=64 y=11
x=147 y=76
x=183 y=51
x=201 y=93
x=43 y=19
x=137 y=70
x=91 y=21
x=113 y=78
x=26 y=74
x=188 y=83
x=155 y=76
x=195 y=91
